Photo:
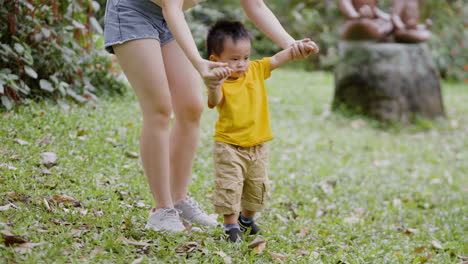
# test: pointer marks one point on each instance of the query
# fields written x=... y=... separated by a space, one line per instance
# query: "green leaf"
x=12 y=77
x=95 y=5
x=76 y=96
x=45 y=32
x=96 y=26
x=2 y=90
x=29 y=71
x=7 y=102
x=19 y=48
x=46 y=85
x=78 y=24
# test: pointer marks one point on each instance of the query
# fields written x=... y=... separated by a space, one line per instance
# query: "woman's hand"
x=300 y=49
x=213 y=73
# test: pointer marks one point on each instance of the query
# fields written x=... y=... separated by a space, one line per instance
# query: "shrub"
x=51 y=49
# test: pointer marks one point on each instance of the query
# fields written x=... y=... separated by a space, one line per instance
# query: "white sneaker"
x=165 y=219
x=191 y=212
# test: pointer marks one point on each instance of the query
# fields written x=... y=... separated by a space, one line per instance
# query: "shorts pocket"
x=227 y=193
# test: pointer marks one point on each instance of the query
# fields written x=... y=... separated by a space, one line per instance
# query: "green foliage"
x=49 y=49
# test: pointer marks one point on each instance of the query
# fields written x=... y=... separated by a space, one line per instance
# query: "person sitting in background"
x=364 y=21
x=405 y=18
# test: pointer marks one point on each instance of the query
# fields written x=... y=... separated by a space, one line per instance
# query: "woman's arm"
x=267 y=22
x=172 y=12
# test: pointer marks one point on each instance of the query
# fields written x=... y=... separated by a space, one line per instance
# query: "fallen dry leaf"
x=283 y=219
x=259 y=248
x=25 y=247
x=436 y=244
x=410 y=231
x=9 y=239
x=46 y=172
x=137 y=243
x=424 y=259
x=44 y=141
x=396 y=202
x=63 y=199
x=131 y=154
x=302 y=251
x=342 y=262
x=13 y=196
x=7 y=166
x=81 y=132
x=227 y=259
x=5 y=207
x=419 y=250
x=138 y=260
x=352 y=220
x=50 y=186
x=277 y=256
x=78 y=231
x=96 y=252
x=48 y=206
x=256 y=242
x=30 y=245
x=304 y=232
x=328 y=186
x=49 y=159
x=189 y=247
x=127 y=224
x=22 y=142
x=113 y=141
x=381 y=163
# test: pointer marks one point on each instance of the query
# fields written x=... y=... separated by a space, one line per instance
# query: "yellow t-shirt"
x=244 y=118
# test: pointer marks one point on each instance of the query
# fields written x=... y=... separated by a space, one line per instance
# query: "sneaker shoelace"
x=169 y=212
x=194 y=205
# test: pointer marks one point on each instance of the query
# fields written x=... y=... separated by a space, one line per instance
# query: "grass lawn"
x=343 y=190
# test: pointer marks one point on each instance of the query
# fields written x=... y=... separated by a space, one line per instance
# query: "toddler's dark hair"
x=223 y=30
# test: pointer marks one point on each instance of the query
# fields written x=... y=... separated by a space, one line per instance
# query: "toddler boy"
x=243 y=126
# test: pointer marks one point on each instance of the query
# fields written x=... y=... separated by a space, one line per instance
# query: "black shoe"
x=249 y=228
x=233 y=234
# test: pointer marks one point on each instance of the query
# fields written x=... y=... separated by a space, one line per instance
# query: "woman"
x=165 y=76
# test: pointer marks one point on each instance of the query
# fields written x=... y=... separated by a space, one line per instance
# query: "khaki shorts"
x=241 y=179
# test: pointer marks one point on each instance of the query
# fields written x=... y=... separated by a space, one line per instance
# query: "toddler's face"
x=236 y=55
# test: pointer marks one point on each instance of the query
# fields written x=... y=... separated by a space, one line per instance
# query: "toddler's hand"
x=312 y=48
x=211 y=77
x=220 y=74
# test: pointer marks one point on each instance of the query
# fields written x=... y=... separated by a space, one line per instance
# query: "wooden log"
x=388 y=81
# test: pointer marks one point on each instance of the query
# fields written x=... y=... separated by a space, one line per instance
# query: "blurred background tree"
x=54 y=49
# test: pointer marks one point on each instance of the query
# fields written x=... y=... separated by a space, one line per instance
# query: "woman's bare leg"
x=187 y=101
x=142 y=63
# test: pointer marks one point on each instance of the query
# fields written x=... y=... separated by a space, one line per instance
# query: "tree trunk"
x=388 y=81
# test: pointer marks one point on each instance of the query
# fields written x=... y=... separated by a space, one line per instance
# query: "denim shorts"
x=134 y=19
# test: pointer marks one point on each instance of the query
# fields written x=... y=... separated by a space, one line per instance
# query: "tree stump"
x=388 y=81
